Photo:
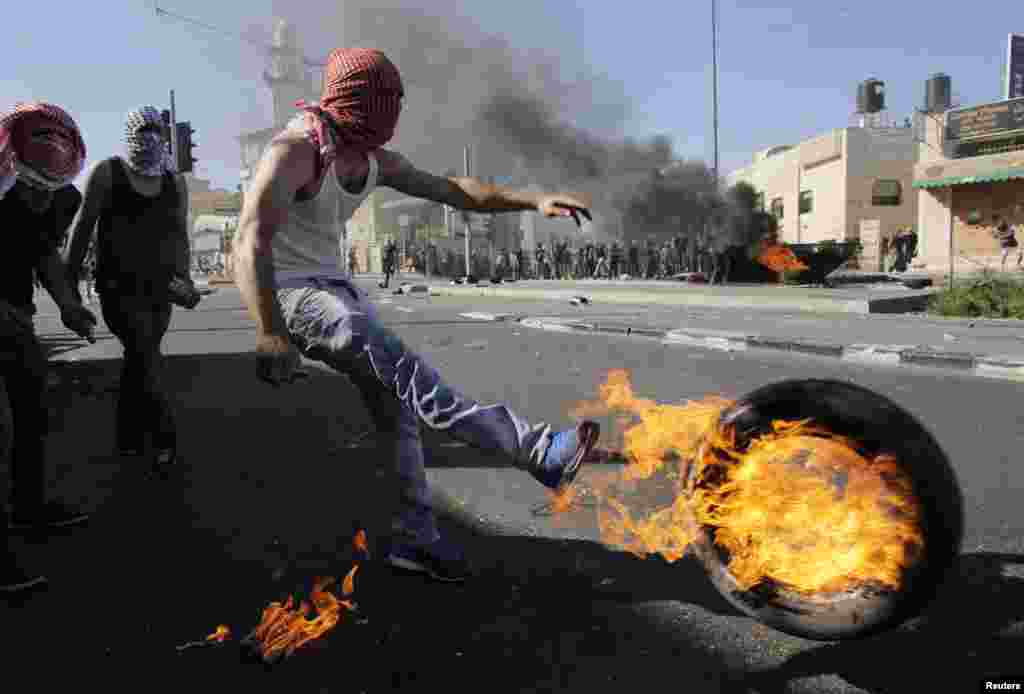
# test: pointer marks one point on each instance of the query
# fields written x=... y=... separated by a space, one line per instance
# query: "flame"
x=221 y=634
x=799 y=507
x=779 y=258
x=284 y=628
x=348 y=585
x=360 y=545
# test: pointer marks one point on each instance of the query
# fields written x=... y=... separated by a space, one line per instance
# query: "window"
x=778 y=209
x=886 y=192
x=806 y=201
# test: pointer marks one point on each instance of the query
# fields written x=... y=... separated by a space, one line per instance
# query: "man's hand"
x=279 y=360
x=184 y=293
x=564 y=206
x=79 y=320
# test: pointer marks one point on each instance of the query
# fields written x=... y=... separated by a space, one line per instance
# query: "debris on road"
x=217 y=638
x=409 y=288
x=579 y=301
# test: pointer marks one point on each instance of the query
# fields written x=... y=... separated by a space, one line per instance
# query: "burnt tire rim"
x=877 y=425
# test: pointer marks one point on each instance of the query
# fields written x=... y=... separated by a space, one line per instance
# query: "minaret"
x=286 y=73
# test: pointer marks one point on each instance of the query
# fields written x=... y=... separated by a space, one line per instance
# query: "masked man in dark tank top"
x=138 y=208
x=41 y=152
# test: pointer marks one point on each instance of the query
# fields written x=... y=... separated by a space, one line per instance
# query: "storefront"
x=972 y=169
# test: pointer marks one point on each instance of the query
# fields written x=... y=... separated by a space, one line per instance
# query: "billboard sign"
x=1013 y=79
x=1001 y=119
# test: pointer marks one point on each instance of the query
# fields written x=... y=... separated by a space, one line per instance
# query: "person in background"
x=41 y=153
x=87 y=283
x=136 y=208
x=390 y=253
x=353 y=262
x=1006 y=234
x=513 y=259
x=601 y=268
x=615 y=263
x=542 y=265
x=634 y=259
x=433 y=260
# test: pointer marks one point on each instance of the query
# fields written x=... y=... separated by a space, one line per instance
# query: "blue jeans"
x=334 y=322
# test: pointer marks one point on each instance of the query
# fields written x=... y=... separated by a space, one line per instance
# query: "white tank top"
x=311 y=242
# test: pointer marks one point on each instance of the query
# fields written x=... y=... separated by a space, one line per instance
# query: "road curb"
x=1007 y=367
x=644 y=297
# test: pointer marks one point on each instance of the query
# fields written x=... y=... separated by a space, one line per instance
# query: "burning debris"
x=285 y=627
x=798 y=507
x=779 y=258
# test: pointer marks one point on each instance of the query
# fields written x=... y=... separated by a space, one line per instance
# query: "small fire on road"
x=285 y=627
x=798 y=508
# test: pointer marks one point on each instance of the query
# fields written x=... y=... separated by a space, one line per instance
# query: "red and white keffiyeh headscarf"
x=49 y=159
x=359 y=106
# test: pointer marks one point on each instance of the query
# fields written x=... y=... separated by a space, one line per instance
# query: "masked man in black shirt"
x=41 y=152
x=138 y=208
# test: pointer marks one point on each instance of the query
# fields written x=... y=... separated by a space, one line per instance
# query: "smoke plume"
x=533 y=117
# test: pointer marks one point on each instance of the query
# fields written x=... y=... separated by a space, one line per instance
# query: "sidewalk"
x=882 y=298
x=986 y=347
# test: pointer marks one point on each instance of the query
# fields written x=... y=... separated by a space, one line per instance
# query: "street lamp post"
x=714 y=77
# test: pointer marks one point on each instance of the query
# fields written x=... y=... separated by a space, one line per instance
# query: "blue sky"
x=787 y=71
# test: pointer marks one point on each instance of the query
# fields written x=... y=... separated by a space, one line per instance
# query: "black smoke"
x=535 y=116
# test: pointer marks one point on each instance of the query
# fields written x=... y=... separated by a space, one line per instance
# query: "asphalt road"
x=275 y=481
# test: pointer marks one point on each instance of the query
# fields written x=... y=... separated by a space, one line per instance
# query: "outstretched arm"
x=470 y=194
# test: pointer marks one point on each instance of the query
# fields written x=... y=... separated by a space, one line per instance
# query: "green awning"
x=987 y=177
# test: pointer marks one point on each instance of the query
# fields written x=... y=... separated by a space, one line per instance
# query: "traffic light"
x=186 y=160
x=165 y=129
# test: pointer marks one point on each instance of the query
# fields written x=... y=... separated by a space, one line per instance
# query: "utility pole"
x=174 y=133
x=714 y=77
x=469 y=229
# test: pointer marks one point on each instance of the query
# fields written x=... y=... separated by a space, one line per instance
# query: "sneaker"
x=565 y=455
x=14 y=580
x=51 y=516
x=440 y=560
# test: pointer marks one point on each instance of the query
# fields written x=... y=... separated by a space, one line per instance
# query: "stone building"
x=839 y=184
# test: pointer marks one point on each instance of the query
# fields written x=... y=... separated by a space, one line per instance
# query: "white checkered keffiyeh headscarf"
x=146 y=151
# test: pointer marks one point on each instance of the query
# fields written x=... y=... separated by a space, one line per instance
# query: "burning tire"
x=926 y=521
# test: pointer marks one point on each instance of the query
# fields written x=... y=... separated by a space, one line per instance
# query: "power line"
x=190 y=20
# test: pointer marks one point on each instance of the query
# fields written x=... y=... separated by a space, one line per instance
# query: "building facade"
x=971 y=168
x=833 y=186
